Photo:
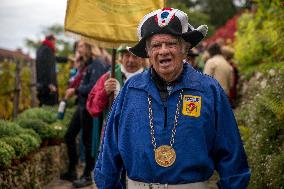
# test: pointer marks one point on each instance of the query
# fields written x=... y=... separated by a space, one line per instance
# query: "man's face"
x=131 y=62
x=166 y=55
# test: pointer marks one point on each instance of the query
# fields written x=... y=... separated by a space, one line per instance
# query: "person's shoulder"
x=208 y=82
x=101 y=62
x=43 y=47
x=43 y=51
x=97 y=62
x=208 y=79
x=212 y=60
x=139 y=80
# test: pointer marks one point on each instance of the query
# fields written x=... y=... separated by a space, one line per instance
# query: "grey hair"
x=185 y=46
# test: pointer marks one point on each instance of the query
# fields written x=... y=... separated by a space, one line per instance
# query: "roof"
x=6 y=54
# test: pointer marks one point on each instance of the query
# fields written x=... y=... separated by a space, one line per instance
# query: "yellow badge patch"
x=191 y=105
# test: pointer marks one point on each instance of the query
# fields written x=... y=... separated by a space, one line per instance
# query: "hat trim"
x=140 y=48
x=146 y=17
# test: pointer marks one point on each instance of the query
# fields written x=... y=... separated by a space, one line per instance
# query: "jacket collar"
x=50 y=44
x=191 y=79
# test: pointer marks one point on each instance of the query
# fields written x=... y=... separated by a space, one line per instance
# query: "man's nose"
x=131 y=58
x=164 y=49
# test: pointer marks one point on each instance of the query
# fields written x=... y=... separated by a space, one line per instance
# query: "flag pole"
x=113 y=63
x=112 y=75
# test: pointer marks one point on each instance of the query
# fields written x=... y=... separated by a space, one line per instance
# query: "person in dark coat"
x=47 y=88
x=81 y=119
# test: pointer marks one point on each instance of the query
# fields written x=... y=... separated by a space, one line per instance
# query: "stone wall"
x=36 y=170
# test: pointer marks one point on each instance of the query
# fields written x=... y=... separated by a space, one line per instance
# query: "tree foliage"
x=195 y=17
x=217 y=12
x=259 y=37
x=64 y=46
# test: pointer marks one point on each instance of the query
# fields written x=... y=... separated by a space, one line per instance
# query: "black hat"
x=166 y=21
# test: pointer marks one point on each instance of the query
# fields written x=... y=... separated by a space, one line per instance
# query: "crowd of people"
x=170 y=124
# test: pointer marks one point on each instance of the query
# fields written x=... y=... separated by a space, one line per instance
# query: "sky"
x=21 y=19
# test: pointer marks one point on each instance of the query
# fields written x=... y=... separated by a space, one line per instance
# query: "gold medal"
x=165 y=156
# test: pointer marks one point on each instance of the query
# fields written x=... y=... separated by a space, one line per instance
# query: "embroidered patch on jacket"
x=191 y=105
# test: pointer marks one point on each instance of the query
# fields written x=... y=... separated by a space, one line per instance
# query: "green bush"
x=40 y=127
x=32 y=142
x=261 y=123
x=259 y=37
x=8 y=128
x=259 y=48
x=39 y=113
x=7 y=153
x=20 y=139
x=59 y=130
x=33 y=134
x=45 y=131
x=275 y=169
x=18 y=144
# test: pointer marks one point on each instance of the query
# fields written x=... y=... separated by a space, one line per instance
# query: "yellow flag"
x=108 y=22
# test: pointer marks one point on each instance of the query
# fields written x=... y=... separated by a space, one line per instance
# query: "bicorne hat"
x=166 y=21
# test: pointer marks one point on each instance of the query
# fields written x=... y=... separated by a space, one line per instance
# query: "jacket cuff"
x=239 y=181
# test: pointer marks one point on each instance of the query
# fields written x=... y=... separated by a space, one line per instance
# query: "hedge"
x=19 y=145
x=32 y=142
x=39 y=114
x=40 y=127
x=7 y=153
x=8 y=128
x=261 y=122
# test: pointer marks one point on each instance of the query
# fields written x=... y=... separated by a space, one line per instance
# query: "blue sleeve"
x=229 y=155
x=108 y=168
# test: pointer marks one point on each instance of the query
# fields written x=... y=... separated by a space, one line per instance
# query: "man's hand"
x=110 y=85
x=52 y=88
x=69 y=92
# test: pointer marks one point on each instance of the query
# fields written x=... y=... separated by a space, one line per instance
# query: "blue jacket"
x=207 y=136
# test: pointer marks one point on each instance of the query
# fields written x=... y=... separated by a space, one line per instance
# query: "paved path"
x=60 y=184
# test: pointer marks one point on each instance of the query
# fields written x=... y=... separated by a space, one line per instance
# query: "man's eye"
x=172 y=43
x=156 y=45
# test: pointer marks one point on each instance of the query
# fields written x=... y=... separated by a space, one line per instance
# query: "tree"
x=195 y=16
x=219 y=11
x=64 y=45
x=216 y=12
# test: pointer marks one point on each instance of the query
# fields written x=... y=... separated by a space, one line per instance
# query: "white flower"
x=58 y=127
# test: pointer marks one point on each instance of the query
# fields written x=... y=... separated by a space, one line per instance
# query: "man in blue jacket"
x=171 y=126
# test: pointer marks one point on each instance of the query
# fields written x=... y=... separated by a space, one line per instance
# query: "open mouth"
x=166 y=61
